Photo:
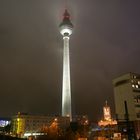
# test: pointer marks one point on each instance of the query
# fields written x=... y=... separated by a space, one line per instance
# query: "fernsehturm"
x=66 y=30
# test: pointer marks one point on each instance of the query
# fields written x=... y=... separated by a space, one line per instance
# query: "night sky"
x=105 y=44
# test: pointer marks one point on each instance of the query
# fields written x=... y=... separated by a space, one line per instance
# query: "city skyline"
x=105 y=44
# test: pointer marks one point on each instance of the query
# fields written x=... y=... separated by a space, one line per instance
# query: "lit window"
x=139 y=82
x=133 y=86
x=137 y=86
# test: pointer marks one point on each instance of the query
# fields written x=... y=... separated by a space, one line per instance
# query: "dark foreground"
x=3 y=137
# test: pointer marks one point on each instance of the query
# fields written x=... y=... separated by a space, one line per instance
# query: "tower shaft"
x=66 y=85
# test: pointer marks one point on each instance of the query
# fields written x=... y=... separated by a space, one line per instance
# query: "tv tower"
x=66 y=30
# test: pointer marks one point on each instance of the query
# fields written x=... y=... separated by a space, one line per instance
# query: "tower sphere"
x=66 y=26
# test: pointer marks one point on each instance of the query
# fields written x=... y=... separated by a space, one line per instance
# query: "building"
x=4 y=122
x=24 y=125
x=107 y=126
x=107 y=120
x=66 y=30
x=127 y=96
x=127 y=100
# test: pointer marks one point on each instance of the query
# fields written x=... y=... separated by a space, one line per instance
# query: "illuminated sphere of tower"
x=66 y=26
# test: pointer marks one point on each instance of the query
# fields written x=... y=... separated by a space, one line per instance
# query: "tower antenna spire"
x=66 y=4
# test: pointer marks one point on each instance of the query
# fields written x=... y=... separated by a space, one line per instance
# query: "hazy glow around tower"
x=66 y=30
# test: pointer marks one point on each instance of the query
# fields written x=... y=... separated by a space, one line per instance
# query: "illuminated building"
x=24 y=125
x=4 y=122
x=107 y=117
x=127 y=88
x=66 y=30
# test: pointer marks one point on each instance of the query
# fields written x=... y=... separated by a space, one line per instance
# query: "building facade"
x=127 y=96
x=4 y=122
x=24 y=125
x=127 y=102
